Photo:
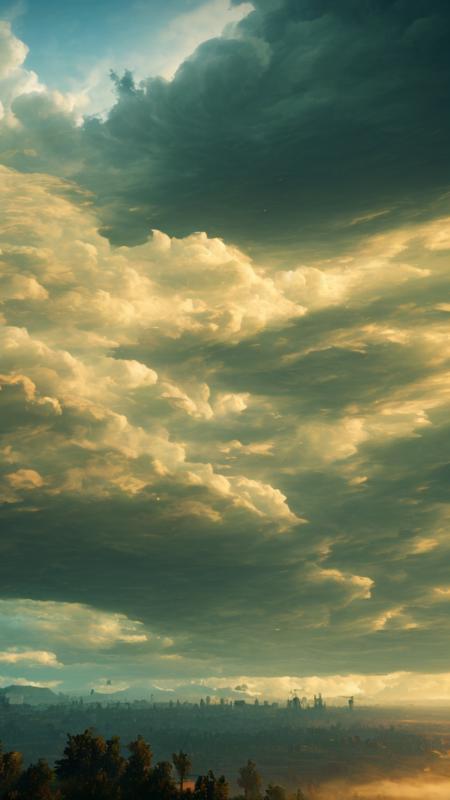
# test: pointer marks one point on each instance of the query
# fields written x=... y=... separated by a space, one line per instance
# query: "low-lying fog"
x=411 y=788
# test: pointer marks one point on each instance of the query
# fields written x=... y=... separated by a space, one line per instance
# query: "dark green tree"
x=249 y=780
x=114 y=764
x=10 y=772
x=137 y=771
x=183 y=765
x=275 y=792
x=81 y=771
x=160 y=783
x=36 y=783
x=208 y=787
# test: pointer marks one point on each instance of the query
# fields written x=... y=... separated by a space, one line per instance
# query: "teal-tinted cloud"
x=173 y=413
x=308 y=118
x=305 y=119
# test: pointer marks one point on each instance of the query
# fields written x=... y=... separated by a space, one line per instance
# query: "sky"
x=224 y=346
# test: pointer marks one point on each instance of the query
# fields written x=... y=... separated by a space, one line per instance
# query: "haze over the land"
x=224 y=346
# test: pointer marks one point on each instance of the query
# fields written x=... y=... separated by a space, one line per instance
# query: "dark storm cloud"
x=309 y=118
x=313 y=115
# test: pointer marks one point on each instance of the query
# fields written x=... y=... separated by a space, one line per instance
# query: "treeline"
x=94 y=768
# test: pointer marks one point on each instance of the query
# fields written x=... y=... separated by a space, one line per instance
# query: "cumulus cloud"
x=196 y=285
x=78 y=637
x=40 y=658
x=81 y=638
x=87 y=291
x=14 y=78
x=25 y=479
x=69 y=623
x=360 y=586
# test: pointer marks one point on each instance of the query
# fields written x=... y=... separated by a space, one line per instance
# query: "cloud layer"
x=216 y=459
x=169 y=401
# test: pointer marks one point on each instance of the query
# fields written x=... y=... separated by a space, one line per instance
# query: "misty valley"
x=92 y=747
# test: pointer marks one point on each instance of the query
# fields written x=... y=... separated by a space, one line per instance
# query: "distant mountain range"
x=34 y=695
x=189 y=691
